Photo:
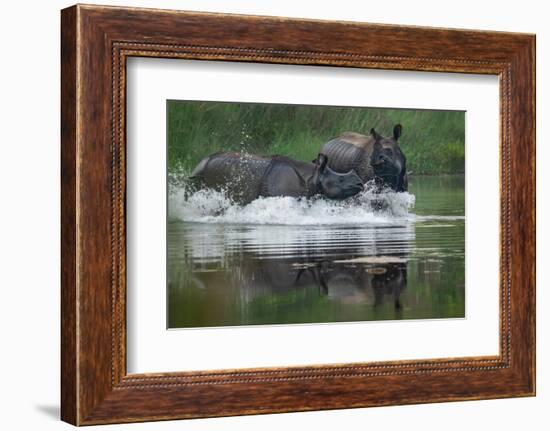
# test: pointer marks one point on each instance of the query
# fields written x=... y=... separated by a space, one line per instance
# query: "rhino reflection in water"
x=246 y=177
x=373 y=157
x=369 y=280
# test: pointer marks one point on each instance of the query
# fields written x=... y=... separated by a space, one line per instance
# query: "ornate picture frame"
x=96 y=41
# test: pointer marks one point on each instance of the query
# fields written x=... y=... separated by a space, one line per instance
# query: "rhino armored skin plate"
x=371 y=156
x=115 y=367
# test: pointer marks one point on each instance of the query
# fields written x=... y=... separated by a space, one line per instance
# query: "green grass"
x=432 y=141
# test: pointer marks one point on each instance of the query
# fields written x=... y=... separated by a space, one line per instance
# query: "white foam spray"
x=211 y=206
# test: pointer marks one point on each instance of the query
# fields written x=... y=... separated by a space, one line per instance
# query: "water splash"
x=212 y=206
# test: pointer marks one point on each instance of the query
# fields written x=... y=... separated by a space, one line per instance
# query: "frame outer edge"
x=533 y=55
x=532 y=83
x=69 y=202
x=88 y=397
x=523 y=216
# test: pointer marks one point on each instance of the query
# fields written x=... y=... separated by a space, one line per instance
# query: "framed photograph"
x=264 y=214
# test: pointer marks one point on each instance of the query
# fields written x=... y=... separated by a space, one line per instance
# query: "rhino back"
x=350 y=151
x=240 y=175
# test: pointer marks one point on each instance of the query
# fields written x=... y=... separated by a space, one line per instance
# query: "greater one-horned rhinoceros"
x=246 y=177
x=372 y=157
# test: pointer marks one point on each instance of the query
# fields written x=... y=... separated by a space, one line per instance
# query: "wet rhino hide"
x=245 y=177
x=372 y=156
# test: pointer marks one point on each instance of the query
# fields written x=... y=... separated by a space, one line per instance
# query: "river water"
x=284 y=261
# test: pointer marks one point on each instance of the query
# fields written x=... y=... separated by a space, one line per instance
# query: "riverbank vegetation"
x=432 y=141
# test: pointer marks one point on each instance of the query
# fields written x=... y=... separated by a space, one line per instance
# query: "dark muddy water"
x=282 y=261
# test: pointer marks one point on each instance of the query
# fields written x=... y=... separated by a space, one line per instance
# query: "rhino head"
x=388 y=161
x=335 y=185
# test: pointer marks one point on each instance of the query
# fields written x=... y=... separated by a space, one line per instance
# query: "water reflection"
x=346 y=268
x=253 y=266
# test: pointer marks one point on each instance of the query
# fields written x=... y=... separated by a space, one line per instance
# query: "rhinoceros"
x=373 y=157
x=246 y=177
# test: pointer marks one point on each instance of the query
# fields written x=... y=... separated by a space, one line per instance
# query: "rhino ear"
x=375 y=134
x=397 y=131
x=321 y=162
